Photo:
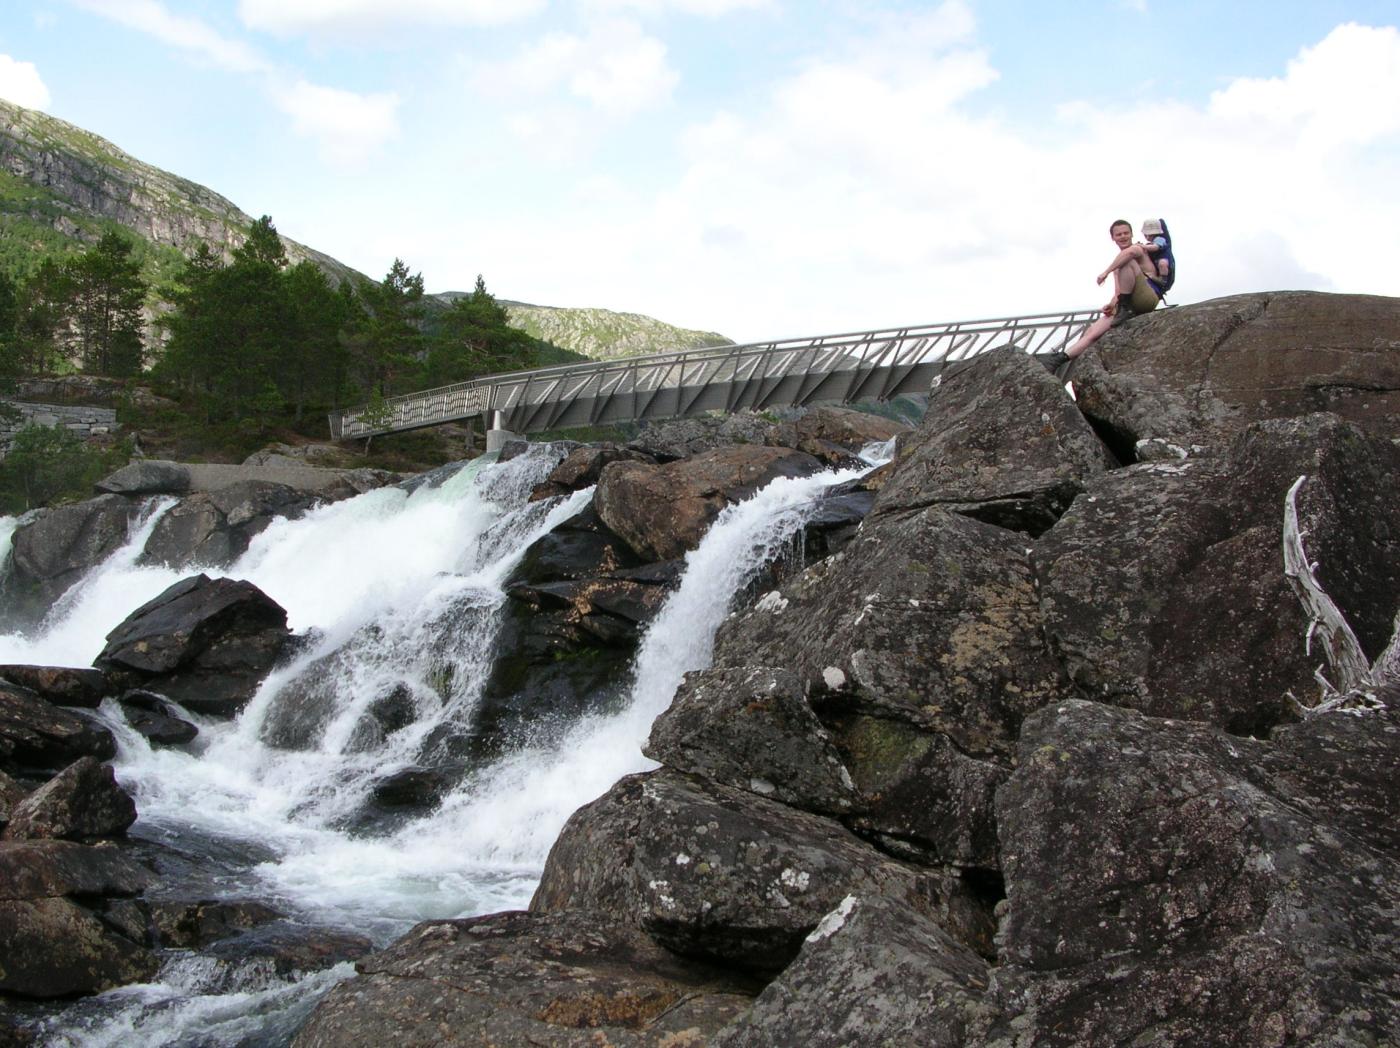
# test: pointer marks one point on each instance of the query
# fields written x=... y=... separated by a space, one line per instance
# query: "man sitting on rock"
x=1134 y=293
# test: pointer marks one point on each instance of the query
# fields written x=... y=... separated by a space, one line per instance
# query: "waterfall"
x=400 y=596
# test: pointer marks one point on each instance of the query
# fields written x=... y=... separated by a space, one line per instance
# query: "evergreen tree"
x=392 y=338
x=474 y=338
x=108 y=293
x=311 y=366
x=42 y=312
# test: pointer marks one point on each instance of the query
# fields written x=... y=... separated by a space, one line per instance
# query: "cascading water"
x=400 y=594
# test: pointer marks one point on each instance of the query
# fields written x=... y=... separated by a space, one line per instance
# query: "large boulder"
x=1002 y=441
x=53 y=940
x=54 y=548
x=681 y=438
x=37 y=737
x=83 y=803
x=920 y=648
x=582 y=467
x=214 y=528
x=873 y=972
x=515 y=978
x=834 y=434
x=1163 y=586
x=663 y=511
x=1198 y=373
x=1170 y=884
x=205 y=643
x=715 y=872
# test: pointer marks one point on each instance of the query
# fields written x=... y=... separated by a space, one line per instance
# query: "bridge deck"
x=865 y=365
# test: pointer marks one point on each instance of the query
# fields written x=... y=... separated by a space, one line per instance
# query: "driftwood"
x=1358 y=682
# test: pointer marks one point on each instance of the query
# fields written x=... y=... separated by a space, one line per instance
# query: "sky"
x=762 y=168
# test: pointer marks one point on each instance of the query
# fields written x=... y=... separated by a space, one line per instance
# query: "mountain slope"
x=61 y=187
x=603 y=334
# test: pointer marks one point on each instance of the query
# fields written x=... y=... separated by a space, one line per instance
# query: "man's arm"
x=1128 y=254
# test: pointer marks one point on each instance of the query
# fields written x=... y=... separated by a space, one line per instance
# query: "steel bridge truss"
x=865 y=365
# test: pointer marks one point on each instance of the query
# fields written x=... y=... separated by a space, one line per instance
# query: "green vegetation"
x=49 y=464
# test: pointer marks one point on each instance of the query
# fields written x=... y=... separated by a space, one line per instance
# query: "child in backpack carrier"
x=1158 y=244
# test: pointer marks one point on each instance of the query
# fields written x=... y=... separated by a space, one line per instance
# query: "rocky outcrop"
x=213 y=529
x=54 y=548
x=61 y=685
x=662 y=511
x=1001 y=443
x=204 y=643
x=1197 y=374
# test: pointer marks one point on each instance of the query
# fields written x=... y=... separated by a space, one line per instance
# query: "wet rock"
x=39 y=737
x=55 y=948
x=50 y=944
x=715 y=872
x=582 y=468
x=147 y=477
x=215 y=528
x=581 y=547
x=1170 y=884
x=49 y=868
x=205 y=643
x=662 y=511
x=873 y=972
x=155 y=719
x=195 y=925
x=54 y=548
x=414 y=787
x=82 y=802
x=290 y=950
x=1199 y=373
x=1163 y=586
x=1002 y=442
x=514 y=978
x=61 y=685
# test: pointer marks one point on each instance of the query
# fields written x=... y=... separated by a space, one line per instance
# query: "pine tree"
x=474 y=339
x=392 y=333
x=108 y=293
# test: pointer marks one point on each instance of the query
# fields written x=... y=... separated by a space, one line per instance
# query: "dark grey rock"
x=37 y=736
x=1163 y=586
x=874 y=972
x=205 y=643
x=147 y=477
x=1001 y=442
x=61 y=685
x=54 y=548
x=714 y=872
x=83 y=802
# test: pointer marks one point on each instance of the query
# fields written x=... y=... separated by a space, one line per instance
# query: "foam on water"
x=401 y=593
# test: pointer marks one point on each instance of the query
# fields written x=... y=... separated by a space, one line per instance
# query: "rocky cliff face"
x=62 y=183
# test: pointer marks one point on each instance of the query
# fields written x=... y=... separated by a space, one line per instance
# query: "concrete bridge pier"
x=497 y=435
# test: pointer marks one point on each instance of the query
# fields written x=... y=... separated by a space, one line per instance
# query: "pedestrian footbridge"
x=829 y=369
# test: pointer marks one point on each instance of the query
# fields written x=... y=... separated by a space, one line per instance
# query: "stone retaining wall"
x=86 y=422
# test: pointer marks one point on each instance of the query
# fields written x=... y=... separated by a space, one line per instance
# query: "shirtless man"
x=1132 y=292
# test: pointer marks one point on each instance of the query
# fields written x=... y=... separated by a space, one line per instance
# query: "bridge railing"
x=874 y=365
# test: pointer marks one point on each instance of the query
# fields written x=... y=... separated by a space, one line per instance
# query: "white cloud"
x=357 y=17
x=1344 y=91
x=21 y=84
x=188 y=34
x=615 y=68
x=346 y=126
x=861 y=192
x=709 y=8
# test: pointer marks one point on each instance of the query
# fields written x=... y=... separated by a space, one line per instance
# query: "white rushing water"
x=401 y=594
